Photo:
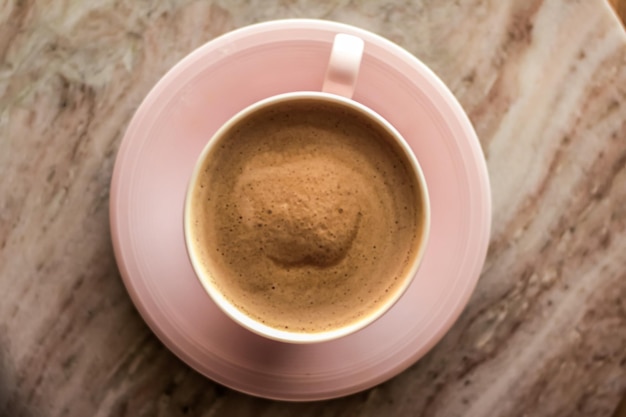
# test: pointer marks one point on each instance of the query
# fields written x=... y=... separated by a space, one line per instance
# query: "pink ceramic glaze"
x=155 y=162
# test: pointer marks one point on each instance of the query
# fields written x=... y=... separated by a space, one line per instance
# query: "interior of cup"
x=204 y=275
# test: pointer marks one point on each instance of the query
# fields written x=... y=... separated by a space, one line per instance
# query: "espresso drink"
x=306 y=216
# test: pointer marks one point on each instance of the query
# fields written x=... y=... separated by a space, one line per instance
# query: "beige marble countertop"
x=544 y=82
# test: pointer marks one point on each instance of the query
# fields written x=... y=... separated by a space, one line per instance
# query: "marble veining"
x=544 y=83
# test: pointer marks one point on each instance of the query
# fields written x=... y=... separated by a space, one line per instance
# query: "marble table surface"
x=544 y=83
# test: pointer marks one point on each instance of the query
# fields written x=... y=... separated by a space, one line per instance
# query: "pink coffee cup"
x=338 y=87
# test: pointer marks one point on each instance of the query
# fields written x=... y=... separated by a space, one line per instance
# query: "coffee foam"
x=310 y=215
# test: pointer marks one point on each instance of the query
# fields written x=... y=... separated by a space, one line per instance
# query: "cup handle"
x=343 y=66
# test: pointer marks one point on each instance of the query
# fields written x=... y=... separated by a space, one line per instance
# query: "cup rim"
x=256 y=326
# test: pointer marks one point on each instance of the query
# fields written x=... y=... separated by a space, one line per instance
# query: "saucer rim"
x=122 y=257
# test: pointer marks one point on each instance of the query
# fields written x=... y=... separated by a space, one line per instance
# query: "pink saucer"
x=155 y=162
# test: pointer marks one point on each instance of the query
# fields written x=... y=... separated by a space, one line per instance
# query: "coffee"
x=306 y=215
